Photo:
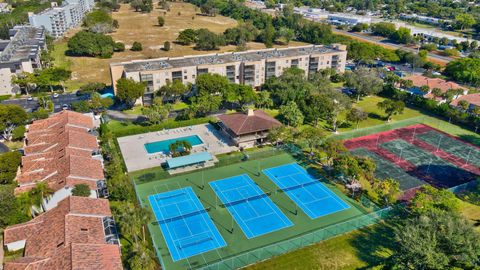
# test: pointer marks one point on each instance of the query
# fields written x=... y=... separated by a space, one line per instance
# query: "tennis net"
x=297 y=185
x=246 y=199
x=182 y=216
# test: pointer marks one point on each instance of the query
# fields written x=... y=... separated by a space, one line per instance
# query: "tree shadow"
x=345 y=125
x=373 y=244
x=376 y=116
x=443 y=176
x=475 y=139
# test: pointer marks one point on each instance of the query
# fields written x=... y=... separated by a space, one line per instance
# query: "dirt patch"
x=143 y=28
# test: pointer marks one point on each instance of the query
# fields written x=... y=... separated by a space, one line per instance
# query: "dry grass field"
x=142 y=27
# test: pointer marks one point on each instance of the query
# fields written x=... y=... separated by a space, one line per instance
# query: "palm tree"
x=39 y=193
x=142 y=258
x=144 y=216
x=128 y=221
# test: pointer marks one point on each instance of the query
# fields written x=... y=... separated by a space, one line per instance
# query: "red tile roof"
x=443 y=85
x=69 y=236
x=62 y=119
x=242 y=123
x=471 y=99
x=58 y=151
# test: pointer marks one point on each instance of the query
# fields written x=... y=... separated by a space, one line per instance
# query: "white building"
x=20 y=54
x=313 y=14
x=346 y=18
x=4 y=8
x=58 y=19
x=423 y=19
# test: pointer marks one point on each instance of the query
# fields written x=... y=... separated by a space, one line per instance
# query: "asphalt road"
x=390 y=44
x=32 y=105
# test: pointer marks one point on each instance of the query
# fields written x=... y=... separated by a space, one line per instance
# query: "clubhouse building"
x=247 y=129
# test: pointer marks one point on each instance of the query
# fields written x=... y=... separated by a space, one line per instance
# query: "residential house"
x=247 y=129
x=419 y=80
x=79 y=233
x=473 y=101
x=62 y=151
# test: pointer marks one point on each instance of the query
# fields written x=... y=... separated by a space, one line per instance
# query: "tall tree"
x=388 y=189
x=364 y=81
x=128 y=91
x=356 y=115
x=429 y=199
x=391 y=107
x=436 y=241
x=142 y=258
x=313 y=138
x=292 y=114
x=264 y=100
x=464 y=20
x=209 y=83
x=11 y=116
x=99 y=104
x=157 y=112
x=9 y=163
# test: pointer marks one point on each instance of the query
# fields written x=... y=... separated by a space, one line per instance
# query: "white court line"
x=329 y=192
x=168 y=231
x=268 y=202
x=238 y=220
x=322 y=187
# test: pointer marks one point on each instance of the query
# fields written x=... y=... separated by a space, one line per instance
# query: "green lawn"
x=180 y=106
x=360 y=249
x=61 y=60
x=337 y=253
x=136 y=110
x=375 y=115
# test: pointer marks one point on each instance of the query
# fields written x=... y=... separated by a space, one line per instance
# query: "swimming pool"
x=164 y=146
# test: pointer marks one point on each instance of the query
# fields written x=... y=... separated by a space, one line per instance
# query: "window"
x=185 y=77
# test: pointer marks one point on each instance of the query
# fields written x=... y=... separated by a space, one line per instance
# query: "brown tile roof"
x=64 y=139
x=242 y=123
x=58 y=151
x=58 y=172
x=69 y=236
x=61 y=119
x=95 y=257
x=443 y=85
x=471 y=99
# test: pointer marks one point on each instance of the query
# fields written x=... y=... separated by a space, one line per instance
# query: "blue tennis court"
x=308 y=193
x=185 y=224
x=251 y=208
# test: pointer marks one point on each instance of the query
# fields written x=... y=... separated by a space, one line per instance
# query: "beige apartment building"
x=249 y=67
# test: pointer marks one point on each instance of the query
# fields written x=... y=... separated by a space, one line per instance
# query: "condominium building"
x=58 y=19
x=249 y=67
x=21 y=53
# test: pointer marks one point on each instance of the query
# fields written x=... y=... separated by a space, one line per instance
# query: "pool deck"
x=136 y=156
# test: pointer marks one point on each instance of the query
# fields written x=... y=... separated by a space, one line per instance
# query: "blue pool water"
x=164 y=146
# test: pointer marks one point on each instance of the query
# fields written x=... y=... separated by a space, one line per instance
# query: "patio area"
x=137 y=158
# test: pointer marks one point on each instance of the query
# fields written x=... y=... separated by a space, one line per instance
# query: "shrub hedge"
x=133 y=129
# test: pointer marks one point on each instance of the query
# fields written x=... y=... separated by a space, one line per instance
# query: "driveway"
x=32 y=105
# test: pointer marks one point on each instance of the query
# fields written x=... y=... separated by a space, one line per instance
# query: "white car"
x=56 y=95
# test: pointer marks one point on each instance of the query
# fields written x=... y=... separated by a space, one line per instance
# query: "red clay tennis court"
x=419 y=154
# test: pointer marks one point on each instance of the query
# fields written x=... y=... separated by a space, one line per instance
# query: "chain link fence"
x=279 y=248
